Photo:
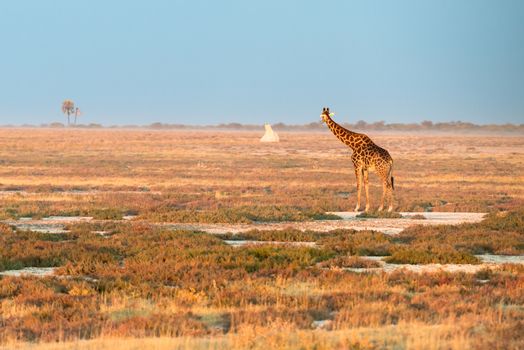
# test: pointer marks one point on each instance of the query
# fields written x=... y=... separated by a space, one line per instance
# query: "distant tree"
x=156 y=125
x=313 y=125
x=233 y=126
x=428 y=124
x=361 y=124
x=94 y=126
x=68 y=108
x=380 y=125
x=77 y=113
x=56 y=125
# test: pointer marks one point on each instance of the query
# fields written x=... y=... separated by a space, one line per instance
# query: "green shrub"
x=357 y=242
x=430 y=256
x=383 y=214
x=242 y=214
x=349 y=261
x=285 y=235
x=106 y=214
x=501 y=233
x=505 y=221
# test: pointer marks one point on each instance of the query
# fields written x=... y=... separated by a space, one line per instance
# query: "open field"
x=212 y=240
x=232 y=177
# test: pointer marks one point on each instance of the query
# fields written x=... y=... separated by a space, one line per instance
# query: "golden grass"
x=181 y=290
x=280 y=335
x=186 y=170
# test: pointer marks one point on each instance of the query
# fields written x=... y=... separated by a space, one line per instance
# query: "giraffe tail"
x=391 y=178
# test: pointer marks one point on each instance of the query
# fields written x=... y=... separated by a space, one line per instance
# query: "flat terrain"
x=221 y=176
x=347 y=220
x=113 y=239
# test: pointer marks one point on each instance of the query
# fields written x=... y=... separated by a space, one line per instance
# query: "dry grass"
x=154 y=288
x=403 y=336
x=219 y=176
x=146 y=282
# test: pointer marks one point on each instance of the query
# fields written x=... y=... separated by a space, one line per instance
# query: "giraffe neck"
x=343 y=134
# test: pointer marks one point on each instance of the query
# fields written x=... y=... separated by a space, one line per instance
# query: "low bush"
x=498 y=233
x=357 y=242
x=242 y=214
x=383 y=214
x=348 y=261
x=285 y=235
x=430 y=255
x=417 y=217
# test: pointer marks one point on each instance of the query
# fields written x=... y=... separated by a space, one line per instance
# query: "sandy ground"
x=55 y=224
x=349 y=221
x=30 y=271
x=488 y=262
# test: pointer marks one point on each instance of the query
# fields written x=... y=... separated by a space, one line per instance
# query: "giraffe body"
x=367 y=156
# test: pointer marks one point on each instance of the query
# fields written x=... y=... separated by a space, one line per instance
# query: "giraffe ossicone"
x=366 y=156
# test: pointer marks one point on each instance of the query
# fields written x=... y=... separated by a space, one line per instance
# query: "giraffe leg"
x=382 y=173
x=366 y=185
x=390 y=188
x=358 y=174
x=384 y=190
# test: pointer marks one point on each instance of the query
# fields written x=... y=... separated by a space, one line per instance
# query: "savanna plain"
x=103 y=213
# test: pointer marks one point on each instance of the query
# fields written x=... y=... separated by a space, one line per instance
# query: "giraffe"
x=366 y=156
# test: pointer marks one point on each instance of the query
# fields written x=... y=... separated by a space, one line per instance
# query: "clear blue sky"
x=209 y=62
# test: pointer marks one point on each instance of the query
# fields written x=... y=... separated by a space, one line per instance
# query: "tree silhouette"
x=68 y=108
x=78 y=113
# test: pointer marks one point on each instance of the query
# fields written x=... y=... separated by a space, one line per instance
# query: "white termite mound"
x=270 y=135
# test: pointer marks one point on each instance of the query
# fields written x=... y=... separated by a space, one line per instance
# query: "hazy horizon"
x=207 y=63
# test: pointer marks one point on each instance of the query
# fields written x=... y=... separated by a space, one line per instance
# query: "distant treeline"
x=462 y=127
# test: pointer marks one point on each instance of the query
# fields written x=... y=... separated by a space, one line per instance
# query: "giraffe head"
x=325 y=116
